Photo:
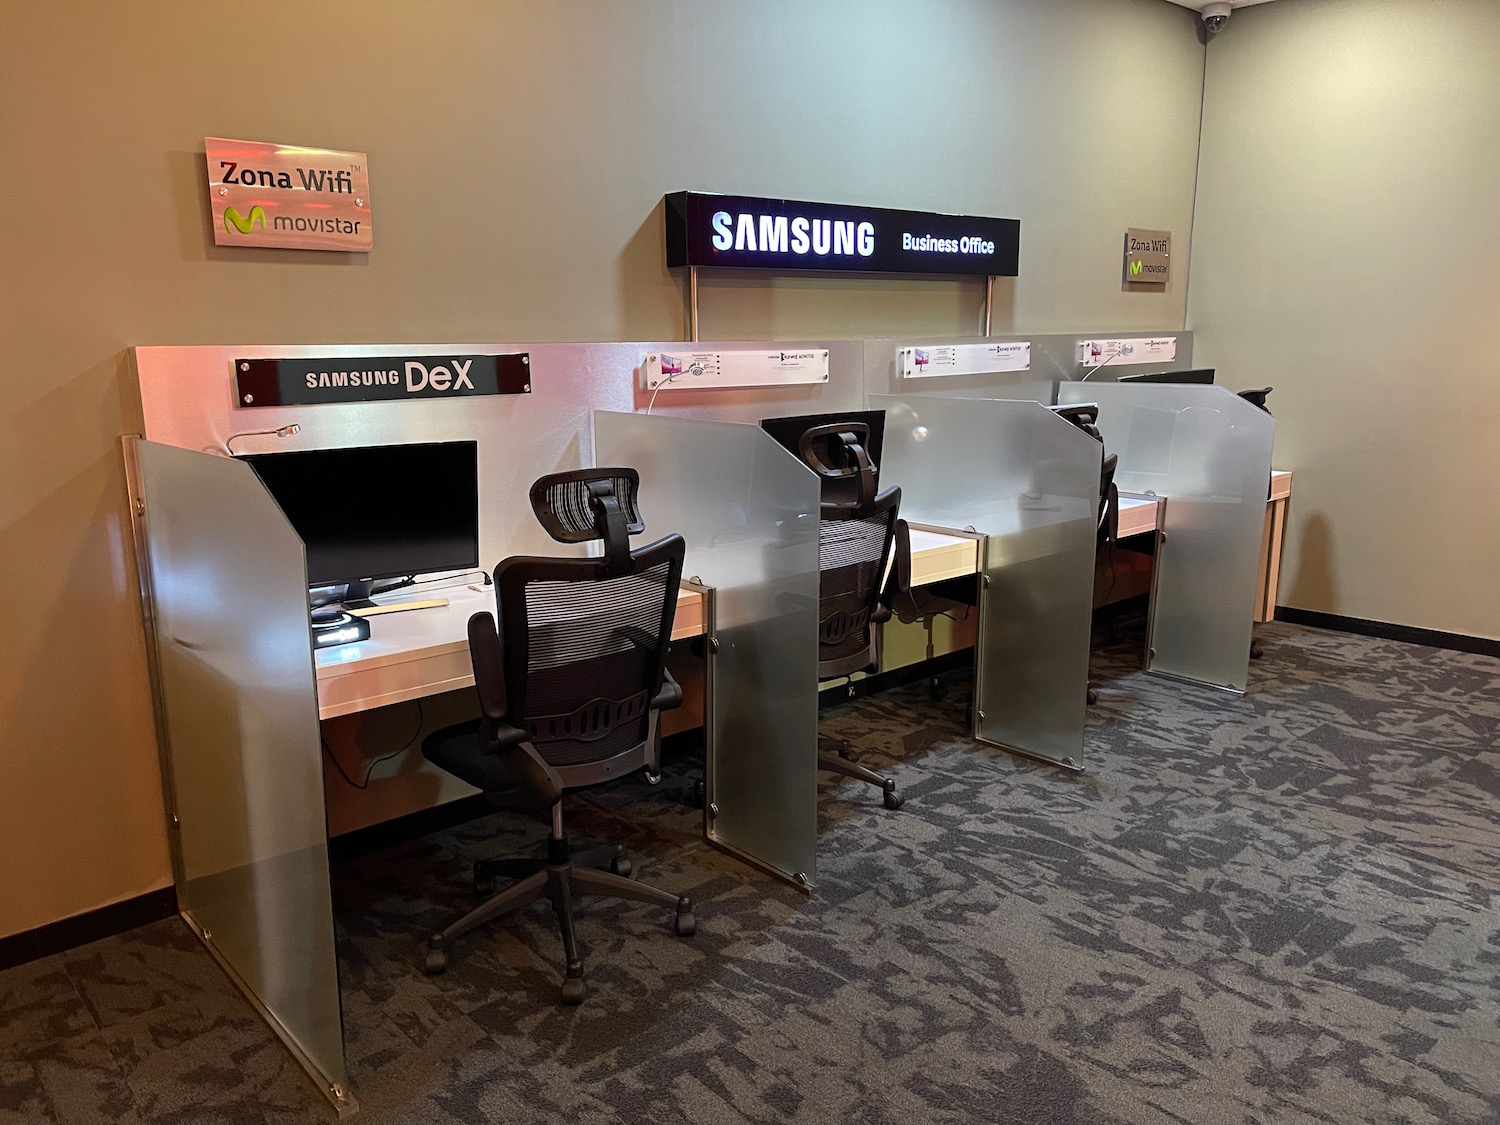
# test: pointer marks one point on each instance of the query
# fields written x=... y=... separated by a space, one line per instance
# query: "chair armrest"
x=496 y=736
x=898 y=580
x=488 y=662
x=531 y=770
x=670 y=695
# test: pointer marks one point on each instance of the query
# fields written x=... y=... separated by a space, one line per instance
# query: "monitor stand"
x=357 y=594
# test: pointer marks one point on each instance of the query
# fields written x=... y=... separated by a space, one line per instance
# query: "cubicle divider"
x=1029 y=482
x=1207 y=451
x=749 y=513
x=224 y=588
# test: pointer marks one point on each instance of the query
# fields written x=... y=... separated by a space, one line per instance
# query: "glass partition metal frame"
x=224 y=590
x=1028 y=480
x=1207 y=451
x=749 y=513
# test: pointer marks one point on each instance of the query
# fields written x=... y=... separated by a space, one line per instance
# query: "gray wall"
x=1347 y=251
x=518 y=155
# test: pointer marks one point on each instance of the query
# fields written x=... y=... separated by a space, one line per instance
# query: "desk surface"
x=425 y=652
x=1138 y=515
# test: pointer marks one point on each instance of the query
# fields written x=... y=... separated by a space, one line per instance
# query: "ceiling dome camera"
x=1215 y=16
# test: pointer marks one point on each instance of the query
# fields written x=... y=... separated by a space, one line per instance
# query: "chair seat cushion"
x=457 y=749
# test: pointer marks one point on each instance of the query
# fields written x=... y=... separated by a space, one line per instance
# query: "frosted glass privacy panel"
x=1208 y=451
x=749 y=513
x=1029 y=481
x=237 y=704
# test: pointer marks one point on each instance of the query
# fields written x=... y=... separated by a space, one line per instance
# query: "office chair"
x=569 y=692
x=856 y=533
x=1257 y=397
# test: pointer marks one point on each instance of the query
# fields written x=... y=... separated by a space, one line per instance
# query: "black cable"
x=421 y=721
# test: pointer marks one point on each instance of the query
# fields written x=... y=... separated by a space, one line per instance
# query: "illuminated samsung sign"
x=783 y=234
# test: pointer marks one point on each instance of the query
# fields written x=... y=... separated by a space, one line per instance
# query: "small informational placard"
x=963 y=359
x=1117 y=353
x=312 y=382
x=288 y=197
x=688 y=371
x=1148 y=256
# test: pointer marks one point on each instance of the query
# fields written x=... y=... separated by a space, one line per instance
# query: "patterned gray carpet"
x=1281 y=908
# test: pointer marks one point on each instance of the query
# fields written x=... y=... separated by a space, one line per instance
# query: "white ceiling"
x=1197 y=5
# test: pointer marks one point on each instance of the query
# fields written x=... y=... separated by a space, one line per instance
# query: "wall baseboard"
x=1410 y=634
x=80 y=929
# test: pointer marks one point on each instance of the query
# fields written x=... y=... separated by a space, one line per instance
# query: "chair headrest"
x=1084 y=415
x=837 y=452
x=1257 y=397
x=587 y=505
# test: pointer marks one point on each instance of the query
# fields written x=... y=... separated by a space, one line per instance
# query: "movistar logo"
x=1135 y=268
x=245 y=224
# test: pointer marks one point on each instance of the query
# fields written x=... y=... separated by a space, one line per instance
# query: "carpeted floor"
x=1282 y=908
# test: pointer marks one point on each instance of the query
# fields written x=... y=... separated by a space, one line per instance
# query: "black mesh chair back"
x=584 y=655
x=856 y=532
x=854 y=552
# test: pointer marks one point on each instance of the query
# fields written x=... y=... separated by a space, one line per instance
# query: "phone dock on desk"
x=334 y=627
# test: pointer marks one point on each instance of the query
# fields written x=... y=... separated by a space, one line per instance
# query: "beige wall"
x=518 y=155
x=1347 y=251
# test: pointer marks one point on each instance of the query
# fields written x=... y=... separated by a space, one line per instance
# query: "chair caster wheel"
x=620 y=865
x=1256 y=652
x=936 y=692
x=1092 y=697
x=572 y=990
x=685 y=925
x=484 y=886
x=652 y=778
x=847 y=753
x=436 y=961
x=892 y=801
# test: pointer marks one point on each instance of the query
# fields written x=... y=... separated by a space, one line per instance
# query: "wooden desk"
x=1270 y=546
x=1142 y=514
x=1139 y=514
x=426 y=651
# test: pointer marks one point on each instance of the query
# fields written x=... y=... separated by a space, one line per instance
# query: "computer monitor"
x=379 y=511
x=1193 y=375
x=788 y=431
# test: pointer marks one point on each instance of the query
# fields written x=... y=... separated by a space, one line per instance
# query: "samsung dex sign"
x=308 y=382
x=785 y=234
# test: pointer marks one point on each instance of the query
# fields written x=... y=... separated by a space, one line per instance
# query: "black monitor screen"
x=379 y=511
x=1195 y=375
x=787 y=432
